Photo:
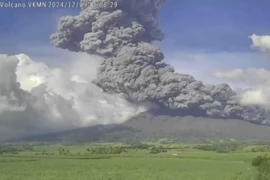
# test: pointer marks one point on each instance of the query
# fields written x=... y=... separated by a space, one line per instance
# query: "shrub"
x=156 y=150
x=262 y=163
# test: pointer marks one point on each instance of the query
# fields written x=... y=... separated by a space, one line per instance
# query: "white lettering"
x=41 y=4
x=7 y=5
x=31 y=4
x=37 y=4
x=12 y=5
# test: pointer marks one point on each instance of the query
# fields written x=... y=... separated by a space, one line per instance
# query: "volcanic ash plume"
x=123 y=35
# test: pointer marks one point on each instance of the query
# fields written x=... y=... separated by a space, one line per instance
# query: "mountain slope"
x=148 y=126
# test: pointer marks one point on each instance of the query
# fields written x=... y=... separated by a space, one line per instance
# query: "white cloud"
x=257 y=97
x=255 y=79
x=201 y=64
x=36 y=99
x=232 y=68
x=261 y=43
x=59 y=95
x=251 y=76
x=234 y=75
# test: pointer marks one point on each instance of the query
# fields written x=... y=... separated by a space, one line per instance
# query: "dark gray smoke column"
x=123 y=34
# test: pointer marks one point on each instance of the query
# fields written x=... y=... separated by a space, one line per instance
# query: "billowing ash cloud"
x=37 y=99
x=133 y=66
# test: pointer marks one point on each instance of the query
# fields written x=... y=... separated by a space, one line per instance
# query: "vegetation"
x=156 y=150
x=15 y=149
x=263 y=166
x=119 y=161
x=221 y=147
x=106 y=150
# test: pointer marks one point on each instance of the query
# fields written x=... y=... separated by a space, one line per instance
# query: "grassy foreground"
x=48 y=163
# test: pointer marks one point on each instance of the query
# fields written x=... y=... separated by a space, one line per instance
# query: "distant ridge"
x=148 y=126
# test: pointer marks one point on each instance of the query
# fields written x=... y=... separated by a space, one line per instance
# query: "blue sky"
x=21 y=28
x=200 y=34
x=214 y=25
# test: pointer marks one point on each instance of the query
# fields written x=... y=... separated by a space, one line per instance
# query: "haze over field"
x=116 y=72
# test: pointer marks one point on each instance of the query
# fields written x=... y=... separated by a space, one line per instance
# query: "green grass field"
x=132 y=165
